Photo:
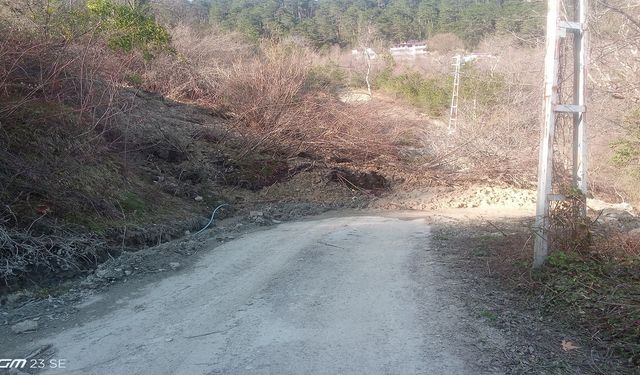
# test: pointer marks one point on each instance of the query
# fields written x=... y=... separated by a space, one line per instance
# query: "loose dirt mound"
x=491 y=196
x=449 y=197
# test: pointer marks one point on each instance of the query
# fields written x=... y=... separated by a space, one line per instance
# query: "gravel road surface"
x=347 y=295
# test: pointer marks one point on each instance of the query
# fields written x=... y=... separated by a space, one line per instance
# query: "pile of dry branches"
x=23 y=253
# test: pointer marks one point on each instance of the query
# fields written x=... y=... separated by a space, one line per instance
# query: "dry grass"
x=58 y=100
x=590 y=293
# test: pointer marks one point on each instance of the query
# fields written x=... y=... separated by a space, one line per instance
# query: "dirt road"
x=350 y=295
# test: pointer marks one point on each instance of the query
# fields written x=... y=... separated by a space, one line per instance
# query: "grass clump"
x=599 y=293
x=132 y=202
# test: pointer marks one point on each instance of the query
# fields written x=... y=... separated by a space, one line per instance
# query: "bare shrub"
x=615 y=39
x=499 y=113
x=261 y=90
x=271 y=107
x=196 y=70
x=333 y=130
x=614 y=241
x=79 y=78
x=505 y=135
x=446 y=42
x=614 y=93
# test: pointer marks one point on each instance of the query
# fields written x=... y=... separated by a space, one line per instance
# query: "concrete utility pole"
x=557 y=29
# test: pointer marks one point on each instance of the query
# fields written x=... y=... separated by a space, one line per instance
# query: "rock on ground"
x=25 y=326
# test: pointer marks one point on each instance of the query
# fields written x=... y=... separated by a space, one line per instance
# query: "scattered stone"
x=598 y=205
x=187 y=232
x=254 y=214
x=18 y=297
x=199 y=198
x=257 y=217
x=102 y=273
x=25 y=326
x=127 y=273
x=276 y=221
x=174 y=265
x=93 y=282
x=105 y=273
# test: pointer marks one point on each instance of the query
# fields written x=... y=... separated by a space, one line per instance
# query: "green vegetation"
x=627 y=150
x=129 y=26
x=342 y=22
x=328 y=77
x=134 y=79
x=434 y=94
x=125 y=26
x=600 y=293
x=132 y=202
x=489 y=315
x=485 y=88
x=429 y=93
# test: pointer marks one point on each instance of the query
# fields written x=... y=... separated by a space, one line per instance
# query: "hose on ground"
x=211 y=220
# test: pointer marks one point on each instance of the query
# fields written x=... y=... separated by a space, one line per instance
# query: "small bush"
x=197 y=69
x=433 y=94
x=481 y=87
x=626 y=151
x=272 y=106
x=129 y=27
x=329 y=77
x=262 y=90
